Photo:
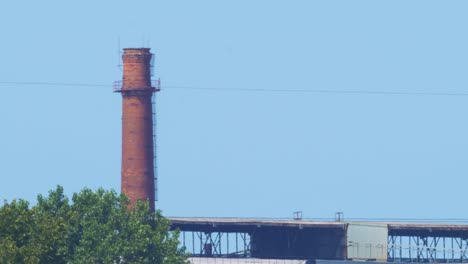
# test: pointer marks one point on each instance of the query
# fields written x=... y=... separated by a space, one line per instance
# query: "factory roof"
x=194 y=222
x=248 y=224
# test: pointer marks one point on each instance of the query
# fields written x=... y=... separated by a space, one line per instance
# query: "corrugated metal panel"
x=244 y=261
x=367 y=241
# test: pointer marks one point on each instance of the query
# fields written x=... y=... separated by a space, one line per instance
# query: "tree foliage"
x=95 y=227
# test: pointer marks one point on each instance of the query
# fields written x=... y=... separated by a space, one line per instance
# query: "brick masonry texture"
x=137 y=127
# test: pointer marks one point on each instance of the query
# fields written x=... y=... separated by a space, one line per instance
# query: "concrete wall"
x=367 y=241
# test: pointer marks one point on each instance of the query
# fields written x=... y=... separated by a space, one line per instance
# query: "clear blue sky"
x=241 y=153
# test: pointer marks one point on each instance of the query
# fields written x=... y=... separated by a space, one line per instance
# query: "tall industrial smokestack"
x=138 y=181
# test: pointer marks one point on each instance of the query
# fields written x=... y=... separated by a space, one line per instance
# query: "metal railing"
x=155 y=84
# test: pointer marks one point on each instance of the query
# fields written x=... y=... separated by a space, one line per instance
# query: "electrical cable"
x=214 y=89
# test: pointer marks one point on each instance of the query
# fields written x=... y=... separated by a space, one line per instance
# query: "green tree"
x=16 y=223
x=96 y=227
x=51 y=221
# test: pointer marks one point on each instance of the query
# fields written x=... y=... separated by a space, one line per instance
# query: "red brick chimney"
x=137 y=126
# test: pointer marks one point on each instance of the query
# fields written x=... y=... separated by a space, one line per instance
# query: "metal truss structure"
x=420 y=249
x=216 y=244
x=315 y=240
x=427 y=249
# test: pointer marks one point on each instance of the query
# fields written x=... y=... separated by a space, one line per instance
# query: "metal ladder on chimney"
x=155 y=153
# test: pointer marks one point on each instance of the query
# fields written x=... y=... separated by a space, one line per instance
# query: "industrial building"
x=240 y=240
x=298 y=239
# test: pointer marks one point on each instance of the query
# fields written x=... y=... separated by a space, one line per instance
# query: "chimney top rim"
x=136 y=50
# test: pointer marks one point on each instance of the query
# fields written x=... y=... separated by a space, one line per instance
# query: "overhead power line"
x=266 y=90
x=56 y=84
x=316 y=91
